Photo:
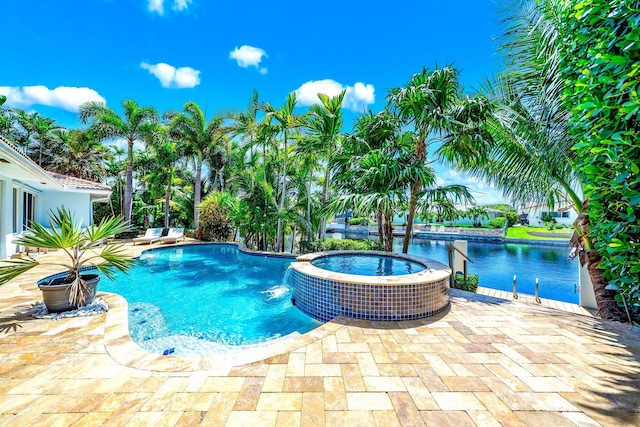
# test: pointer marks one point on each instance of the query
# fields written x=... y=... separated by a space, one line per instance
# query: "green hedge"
x=601 y=64
x=359 y=221
x=498 y=222
x=471 y=284
x=339 y=245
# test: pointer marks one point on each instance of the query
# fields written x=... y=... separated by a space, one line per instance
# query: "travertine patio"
x=485 y=361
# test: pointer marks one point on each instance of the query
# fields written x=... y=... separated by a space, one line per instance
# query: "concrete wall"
x=78 y=203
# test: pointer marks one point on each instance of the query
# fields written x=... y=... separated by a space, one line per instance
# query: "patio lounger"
x=442 y=229
x=152 y=235
x=433 y=229
x=174 y=235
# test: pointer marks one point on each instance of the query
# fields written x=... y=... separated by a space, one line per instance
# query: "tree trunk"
x=280 y=236
x=167 y=198
x=129 y=184
x=198 y=189
x=325 y=194
x=380 y=220
x=421 y=155
x=413 y=203
x=388 y=232
x=608 y=307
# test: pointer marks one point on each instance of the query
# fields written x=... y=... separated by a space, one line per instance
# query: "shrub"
x=359 y=221
x=216 y=224
x=339 y=245
x=471 y=284
x=512 y=218
x=498 y=222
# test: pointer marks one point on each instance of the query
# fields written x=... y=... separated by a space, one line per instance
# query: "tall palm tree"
x=287 y=121
x=431 y=102
x=80 y=154
x=533 y=156
x=139 y=124
x=245 y=124
x=44 y=133
x=6 y=120
x=165 y=155
x=325 y=122
x=201 y=138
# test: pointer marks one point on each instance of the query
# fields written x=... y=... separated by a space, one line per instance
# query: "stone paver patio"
x=485 y=361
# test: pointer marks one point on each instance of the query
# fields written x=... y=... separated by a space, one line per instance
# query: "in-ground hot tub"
x=369 y=285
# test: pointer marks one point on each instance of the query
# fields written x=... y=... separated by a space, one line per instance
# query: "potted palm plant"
x=78 y=287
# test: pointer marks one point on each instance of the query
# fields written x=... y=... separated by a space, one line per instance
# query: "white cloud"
x=172 y=77
x=247 y=56
x=65 y=97
x=157 y=6
x=180 y=5
x=356 y=98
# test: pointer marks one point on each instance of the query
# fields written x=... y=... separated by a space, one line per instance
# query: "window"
x=565 y=214
x=16 y=212
x=28 y=209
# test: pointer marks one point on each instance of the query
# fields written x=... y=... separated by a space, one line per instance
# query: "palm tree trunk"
x=608 y=307
x=421 y=154
x=280 y=236
x=129 y=184
x=167 y=198
x=380 y=227
x=413 y=203
x=388 y=232
x=325 y=194
x=198 y=189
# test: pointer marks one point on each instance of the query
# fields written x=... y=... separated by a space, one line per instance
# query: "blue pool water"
x=203 y=298
x=497 y=263
x=367 y=265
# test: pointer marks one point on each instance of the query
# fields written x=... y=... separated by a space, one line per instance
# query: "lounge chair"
x=152 y=235
x=174 y=235
x=433 y=229
x=442 y=229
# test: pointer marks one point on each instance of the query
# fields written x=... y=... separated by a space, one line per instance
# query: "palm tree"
x=44 y=132
x=325 y=122
x=201 y=138
x=79 y=154
x=476 y=213
x=139 y=124
x=432 y=104
x=533 y=156
x=6 y=120
x=287 y=121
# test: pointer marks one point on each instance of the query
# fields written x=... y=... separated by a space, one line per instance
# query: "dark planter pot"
x=56 y=294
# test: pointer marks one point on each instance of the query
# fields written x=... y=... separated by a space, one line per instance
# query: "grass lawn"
x=521 y=233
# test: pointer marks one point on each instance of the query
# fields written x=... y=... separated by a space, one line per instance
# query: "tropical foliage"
x=600 y=63
x=557 y=126
x=76 y=242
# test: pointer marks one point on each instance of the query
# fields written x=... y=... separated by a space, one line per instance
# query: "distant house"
x=535 y=212
x=28 y=193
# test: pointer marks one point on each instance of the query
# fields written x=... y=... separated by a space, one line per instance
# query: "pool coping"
x=434 y=270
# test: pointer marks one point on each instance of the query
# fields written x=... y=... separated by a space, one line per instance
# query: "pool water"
x=367 y=265
x=201 y=299
x=497 y=263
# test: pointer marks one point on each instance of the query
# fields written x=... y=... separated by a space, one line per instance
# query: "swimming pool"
x=368 y=265
x=201 y=299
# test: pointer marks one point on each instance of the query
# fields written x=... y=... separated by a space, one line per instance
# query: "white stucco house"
x=565 y=214
x=28 y=193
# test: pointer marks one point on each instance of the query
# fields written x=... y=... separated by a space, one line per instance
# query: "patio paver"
x=485 y=361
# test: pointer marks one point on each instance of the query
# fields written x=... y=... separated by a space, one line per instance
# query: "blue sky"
x=58 y=54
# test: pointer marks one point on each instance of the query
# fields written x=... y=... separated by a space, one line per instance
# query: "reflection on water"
x=497 y=263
